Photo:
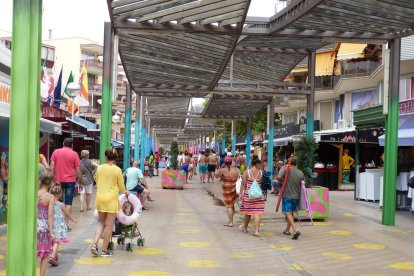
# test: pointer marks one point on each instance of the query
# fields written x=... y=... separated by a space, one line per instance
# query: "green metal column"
x=106 y=111
x=127 y=135
x=311 y=97
x=137 y=126
x=270 y=134
x=391 y=136
x=24 y=123
x=248 y=141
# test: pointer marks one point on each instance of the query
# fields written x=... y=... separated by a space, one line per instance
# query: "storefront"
x=370 y=181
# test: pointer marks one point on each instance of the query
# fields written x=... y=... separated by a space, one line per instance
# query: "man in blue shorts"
x=291 y=195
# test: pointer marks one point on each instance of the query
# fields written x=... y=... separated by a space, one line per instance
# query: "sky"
x=85 y=18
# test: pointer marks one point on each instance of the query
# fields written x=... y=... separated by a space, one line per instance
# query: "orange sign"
x=4 y=93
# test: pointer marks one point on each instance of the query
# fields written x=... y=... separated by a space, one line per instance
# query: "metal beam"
x=229 y=91
x=292 y=13
x=266 y=83
x=251 y=49
x=172 y=29
x=127 y=127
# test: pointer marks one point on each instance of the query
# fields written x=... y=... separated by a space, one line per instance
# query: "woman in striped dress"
x=251 y=206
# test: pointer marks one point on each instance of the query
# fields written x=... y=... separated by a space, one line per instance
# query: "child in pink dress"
x=45 y=209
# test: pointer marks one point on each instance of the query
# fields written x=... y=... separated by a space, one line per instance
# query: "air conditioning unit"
x=342 y=124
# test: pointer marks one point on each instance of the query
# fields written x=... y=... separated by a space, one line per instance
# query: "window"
x=87 y=56
x=405 y=89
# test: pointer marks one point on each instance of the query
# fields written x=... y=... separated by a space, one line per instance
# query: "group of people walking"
x=254 y=206
x=58 y=183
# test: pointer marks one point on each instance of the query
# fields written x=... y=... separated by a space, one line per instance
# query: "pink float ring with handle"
x=121 y=215
x=130 y=210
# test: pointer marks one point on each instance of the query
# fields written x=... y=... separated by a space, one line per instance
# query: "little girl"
x=45 y=209
x=60 y=230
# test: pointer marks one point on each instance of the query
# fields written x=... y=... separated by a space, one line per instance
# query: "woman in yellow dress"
x=109 y=182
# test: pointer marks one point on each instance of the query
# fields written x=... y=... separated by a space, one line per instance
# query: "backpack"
x=255 y=191
x=266 y=181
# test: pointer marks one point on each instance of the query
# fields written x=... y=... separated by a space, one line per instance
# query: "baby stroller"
x=266 y=183
x=126 y=223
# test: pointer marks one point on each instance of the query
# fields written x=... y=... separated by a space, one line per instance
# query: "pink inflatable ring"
x=130 y=209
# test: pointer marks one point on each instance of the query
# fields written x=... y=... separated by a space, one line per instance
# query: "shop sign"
x=285 y=130
x=4 y=93
x=369 y=135
x=407 y=107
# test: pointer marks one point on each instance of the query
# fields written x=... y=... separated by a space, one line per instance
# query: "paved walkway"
x=185 y=235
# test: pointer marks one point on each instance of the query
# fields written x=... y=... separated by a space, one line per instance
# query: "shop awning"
x=324 y=64
x=117 y=144
x=351 y=51
x=50 y=127
x=45 y=125
x=279 y=142
x=405 y=138
x=83 y=126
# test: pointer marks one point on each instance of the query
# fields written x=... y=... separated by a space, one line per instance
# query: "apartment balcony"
x=358 y=69
x=94 y=66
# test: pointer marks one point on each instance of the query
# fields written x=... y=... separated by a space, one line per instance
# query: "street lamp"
x=74 y=90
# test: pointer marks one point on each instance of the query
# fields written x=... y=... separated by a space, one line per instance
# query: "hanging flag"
x=75 y=107
x=70 y=79
x=57 y=94
x=47 y=84
x=84 y=83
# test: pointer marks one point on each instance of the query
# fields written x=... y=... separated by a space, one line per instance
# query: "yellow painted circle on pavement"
x=1 y=257
x=337 y=256
x=3 y=238
x=350 y=215
x=186 y=221
x=3 y=272
x=403 y=266
x=195 y=244
x=241 y=255
x=280 y=247
x=340 y=232
x=322 y=223
x=189 y=231
x=94 y=261
x=150 y=251
x=149 y=273
x=372 y=246
x=203 y=264
x=267 y=233
x=184 y=214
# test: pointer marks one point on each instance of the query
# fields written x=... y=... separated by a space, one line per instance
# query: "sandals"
x=286 y=233
x=53 y=261
x=244 y=230
x=94 y=250
x=296 y=235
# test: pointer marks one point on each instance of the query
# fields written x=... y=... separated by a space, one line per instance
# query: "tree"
x=161 y=151
x=174 y=155
x=305 y=154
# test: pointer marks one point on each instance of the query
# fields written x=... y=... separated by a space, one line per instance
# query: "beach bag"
x=238 y=185
x=255 y=191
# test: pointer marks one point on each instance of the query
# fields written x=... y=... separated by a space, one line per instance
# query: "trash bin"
x=332 y=178
x=319 y=168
